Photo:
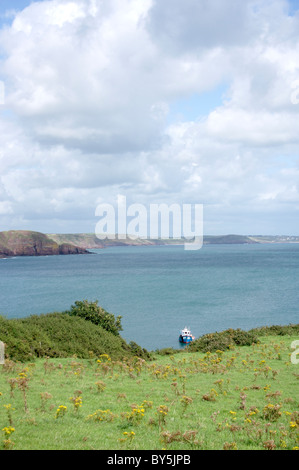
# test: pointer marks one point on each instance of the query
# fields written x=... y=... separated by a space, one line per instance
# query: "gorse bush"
x=276 y=330
x=138 y=351
x=223 y=341
x=92 y=312
x=59 y=335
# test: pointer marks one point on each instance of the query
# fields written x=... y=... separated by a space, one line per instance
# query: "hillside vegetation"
x=70 y=381
x=83 y=330
x=241 y=398
x=86 y=328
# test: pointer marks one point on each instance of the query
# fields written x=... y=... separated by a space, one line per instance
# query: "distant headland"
x=30 y=243
x=90 y=240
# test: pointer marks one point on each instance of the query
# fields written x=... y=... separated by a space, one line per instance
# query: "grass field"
x=243 y=398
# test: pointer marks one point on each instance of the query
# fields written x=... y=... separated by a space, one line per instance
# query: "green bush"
x=59 y=335
x=223 y=340
x=91 y=311
x=277 y=330
x=138 y=351
x=168 y=351
x=243 y=338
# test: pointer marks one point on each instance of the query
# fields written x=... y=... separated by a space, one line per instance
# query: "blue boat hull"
x=185 y=339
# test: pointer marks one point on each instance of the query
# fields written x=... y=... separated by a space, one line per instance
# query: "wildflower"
x=162 y=412
x=230 y=446
x=22 y=375
x=8 y=431
x=103 y=358
x=162 y=409
x=147 y=404
x=210 y=396
x=129 y=436
x=253 y=411
x=100 y=386
x=269 y=445
x=8 y=407
x=283 y=444
x=102 y=415
x=272 y=412
x=61 y=410
x=77 y=402
x=186 y=400
x=136 y=414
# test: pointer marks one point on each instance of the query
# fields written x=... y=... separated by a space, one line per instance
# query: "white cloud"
x=89 y=85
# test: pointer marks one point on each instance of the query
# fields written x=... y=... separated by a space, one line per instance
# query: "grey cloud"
x=190 y=25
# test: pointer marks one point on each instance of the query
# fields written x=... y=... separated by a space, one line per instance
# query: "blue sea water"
x=158 y=290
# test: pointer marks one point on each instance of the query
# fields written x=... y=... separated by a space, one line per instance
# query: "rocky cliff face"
x=27 y=243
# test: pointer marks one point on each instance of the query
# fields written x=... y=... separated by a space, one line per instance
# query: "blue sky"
x=197 y=105
x=294 y=6
x=7 y=5
x=160 y=101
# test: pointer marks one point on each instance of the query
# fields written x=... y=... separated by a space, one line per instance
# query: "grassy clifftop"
x=244 y=398
x=90 y=240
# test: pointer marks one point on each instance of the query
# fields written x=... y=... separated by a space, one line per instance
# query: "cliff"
x=90 y=240
x=28 y=243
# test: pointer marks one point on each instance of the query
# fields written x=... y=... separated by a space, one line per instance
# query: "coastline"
x=30 y=243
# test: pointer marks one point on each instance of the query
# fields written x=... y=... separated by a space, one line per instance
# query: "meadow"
x=243 y=397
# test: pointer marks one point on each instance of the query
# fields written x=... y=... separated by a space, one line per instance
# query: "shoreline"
x=15 y=243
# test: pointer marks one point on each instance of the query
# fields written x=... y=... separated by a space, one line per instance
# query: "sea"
x=158 y=290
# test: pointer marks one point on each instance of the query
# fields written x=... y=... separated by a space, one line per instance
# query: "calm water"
x=159 y=290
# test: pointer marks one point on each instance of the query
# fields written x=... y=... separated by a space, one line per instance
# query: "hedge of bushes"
x=64 y=335
x=223 y=340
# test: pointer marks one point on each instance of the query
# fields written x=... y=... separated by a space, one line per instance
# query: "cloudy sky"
x=161 y=101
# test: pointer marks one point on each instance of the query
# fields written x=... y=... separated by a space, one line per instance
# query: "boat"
x=186 y=336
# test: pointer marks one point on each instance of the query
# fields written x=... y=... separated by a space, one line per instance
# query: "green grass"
x=242 y=398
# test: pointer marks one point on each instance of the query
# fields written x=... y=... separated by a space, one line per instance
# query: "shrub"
x=138 y=351
x=276 y=330
x=91 y=311
x=59 y=335
x=243 y=338
x=168 y=351
x=221 y=341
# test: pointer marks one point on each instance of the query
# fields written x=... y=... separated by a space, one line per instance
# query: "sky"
x=160 y=101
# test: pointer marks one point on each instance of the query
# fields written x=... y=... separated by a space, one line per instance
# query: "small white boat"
x=186 y=336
